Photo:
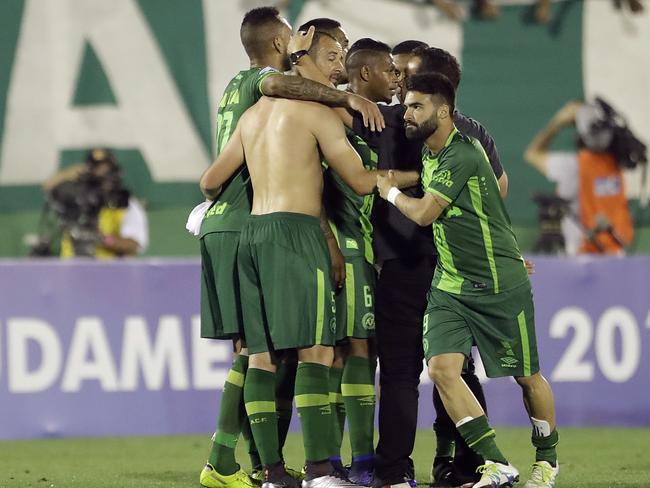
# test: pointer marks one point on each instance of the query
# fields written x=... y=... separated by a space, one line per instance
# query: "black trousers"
x=400 y=302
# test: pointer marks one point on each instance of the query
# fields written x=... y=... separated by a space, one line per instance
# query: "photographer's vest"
x=109 y=223
x=601 y=195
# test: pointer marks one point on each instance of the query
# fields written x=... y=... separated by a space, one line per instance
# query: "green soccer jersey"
x=233 y=206
x=477 y=249
x=348 y=212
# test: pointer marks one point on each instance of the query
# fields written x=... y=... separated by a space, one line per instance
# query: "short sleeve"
x=456 y=166
x=261 y=76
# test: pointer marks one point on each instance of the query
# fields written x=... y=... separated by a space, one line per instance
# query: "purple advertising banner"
x=90 y=348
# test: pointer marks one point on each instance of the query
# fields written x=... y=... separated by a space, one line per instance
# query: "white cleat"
x=328 y=481
x=543 y=475
x=496 y=475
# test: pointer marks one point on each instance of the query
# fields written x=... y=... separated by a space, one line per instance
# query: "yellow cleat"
x=210 y=478
x=295 y=474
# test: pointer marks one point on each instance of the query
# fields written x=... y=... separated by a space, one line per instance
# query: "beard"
x=421 y=132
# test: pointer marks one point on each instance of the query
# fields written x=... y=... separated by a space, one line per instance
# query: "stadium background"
x=79 y=73
x=97 y=349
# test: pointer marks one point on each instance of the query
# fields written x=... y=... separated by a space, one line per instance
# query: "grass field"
x=590 y=458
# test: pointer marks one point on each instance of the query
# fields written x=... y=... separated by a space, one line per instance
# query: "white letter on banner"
x=89 y=337
x=572 y=366
x=622 y=319
x=206 y=352
x=19 y=332
x=167 y=353
x=149 y=115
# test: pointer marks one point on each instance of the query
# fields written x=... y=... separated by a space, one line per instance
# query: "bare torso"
x=282 y=156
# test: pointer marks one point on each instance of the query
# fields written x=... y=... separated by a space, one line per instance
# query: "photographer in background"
x=98 y=216
x=598 y=219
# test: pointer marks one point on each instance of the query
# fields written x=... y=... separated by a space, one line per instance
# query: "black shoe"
x=442 y=473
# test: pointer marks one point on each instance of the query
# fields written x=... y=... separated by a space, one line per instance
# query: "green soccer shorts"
x=221 y=315
x=502 y=326
x=355 y=302
x=285 y=286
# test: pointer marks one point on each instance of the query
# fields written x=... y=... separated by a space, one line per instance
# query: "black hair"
x=320 y=24
x=433 y=84
x=250 y=31
x=407 y=47
x=369 y=44
x=436 y=60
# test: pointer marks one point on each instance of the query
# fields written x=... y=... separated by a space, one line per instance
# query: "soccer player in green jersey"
x=480 y=292
x=283 y=265
x=352 y=376
x=266 y=38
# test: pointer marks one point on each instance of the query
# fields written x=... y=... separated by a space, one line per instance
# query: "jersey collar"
x=454 y=131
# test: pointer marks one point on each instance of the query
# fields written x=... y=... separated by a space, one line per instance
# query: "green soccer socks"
x=358 y=388
x=314 y=410
x=222 y=454
x=259 y=396
x=480 y=436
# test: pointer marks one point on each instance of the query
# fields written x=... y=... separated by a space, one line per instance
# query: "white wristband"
x=392 y=194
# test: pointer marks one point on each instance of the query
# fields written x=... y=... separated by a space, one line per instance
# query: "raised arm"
x=230 y=159
x=423 y=211
x=537 y=151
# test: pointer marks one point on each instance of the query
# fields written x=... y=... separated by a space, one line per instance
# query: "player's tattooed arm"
x=423 y=211
x=228 y=162
x=298 y=88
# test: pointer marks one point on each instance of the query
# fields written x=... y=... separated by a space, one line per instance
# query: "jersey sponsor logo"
x=443 y=178
x=216 y=210
x=351 y=244
x=368 y=321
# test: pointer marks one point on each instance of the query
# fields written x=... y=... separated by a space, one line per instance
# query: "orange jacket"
x=601 y=194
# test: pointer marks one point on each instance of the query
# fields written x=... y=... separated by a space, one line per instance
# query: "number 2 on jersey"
x=224 y=129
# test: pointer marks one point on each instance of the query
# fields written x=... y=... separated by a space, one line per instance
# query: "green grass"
x=590 y=458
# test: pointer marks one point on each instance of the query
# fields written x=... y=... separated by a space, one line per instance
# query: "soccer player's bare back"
x=279 y=138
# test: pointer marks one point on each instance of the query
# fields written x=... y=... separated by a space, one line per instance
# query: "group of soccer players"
x=289 y=274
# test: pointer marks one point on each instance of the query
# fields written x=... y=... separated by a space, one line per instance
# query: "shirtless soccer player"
x=286 y=293
x=266 y=38
x=352 y=377
x=480 y=292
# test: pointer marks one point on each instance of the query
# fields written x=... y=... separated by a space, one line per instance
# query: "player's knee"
x=441 y=374
x=527 y=382
x=317 y=354
x=262 y=361
x=359 y=348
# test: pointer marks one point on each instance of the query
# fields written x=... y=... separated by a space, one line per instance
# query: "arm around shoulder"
x=340 y=154
x=230 y=159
